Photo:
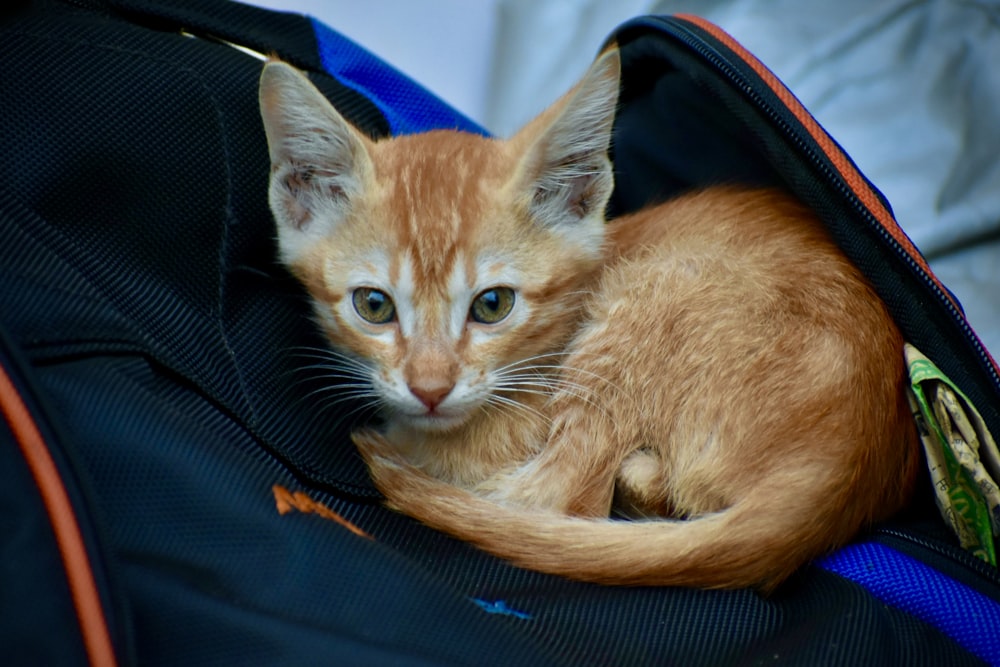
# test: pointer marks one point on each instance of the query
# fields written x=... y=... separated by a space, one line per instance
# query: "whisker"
x=569 y=369
x=497 y=400
x=554 y=385
x=326 y=354
x=342 y=389
x=523 y=390
x=331 y=364
x=336 y=379
x=335 y=373
x=582 y=394
x=331 y=402
x=515 y=364
x=359 y=413
x=373 y=402
x=334 y=365
x=529 y=386
x=561 y=353
x=562 y=383
x=338 y=393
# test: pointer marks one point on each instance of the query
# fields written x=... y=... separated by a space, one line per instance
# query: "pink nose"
x=431 y=396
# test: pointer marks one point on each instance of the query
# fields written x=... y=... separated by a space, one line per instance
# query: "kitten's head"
x=442 y=260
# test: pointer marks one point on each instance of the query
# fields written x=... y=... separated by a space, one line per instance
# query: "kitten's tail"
x=746 y=545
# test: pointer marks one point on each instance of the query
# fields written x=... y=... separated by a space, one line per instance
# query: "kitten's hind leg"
x=641 y=486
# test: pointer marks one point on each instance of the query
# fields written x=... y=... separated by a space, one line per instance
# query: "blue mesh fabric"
x=970 y=618
x=408 y=106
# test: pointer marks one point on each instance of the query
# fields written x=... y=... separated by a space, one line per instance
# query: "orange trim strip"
x=93 y=625
x=844 y=166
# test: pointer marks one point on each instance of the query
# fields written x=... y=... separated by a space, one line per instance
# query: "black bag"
x=166 y=473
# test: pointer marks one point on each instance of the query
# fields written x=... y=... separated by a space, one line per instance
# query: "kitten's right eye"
x=374 y=305
x=492 y=305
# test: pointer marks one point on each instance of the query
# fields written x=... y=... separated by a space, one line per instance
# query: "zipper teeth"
x=695 y=42
x=953 y=554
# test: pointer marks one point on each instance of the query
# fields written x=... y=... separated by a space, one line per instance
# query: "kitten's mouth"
x=434 y=420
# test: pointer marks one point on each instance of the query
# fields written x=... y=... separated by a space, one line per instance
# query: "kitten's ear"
x=319 y=162
x=565 y=165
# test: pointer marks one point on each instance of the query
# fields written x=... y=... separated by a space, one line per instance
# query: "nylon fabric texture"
x=960 y=611
x=139 y=281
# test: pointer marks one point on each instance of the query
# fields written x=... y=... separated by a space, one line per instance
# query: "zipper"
x=688 y=35
x=966 y=560
x=685 y=32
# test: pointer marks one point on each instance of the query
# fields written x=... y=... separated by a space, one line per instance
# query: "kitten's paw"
x=391 y=473
x=378 y=453
x=372 y=444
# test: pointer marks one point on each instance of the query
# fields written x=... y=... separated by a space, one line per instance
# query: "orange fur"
x=713 y=365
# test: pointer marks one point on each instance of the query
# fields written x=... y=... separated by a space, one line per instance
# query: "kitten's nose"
x=431 y=395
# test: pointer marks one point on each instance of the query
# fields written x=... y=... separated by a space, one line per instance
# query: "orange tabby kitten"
x=713 y=365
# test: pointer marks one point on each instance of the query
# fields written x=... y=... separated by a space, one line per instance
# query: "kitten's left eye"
x=374 y=305
x=492 y=305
